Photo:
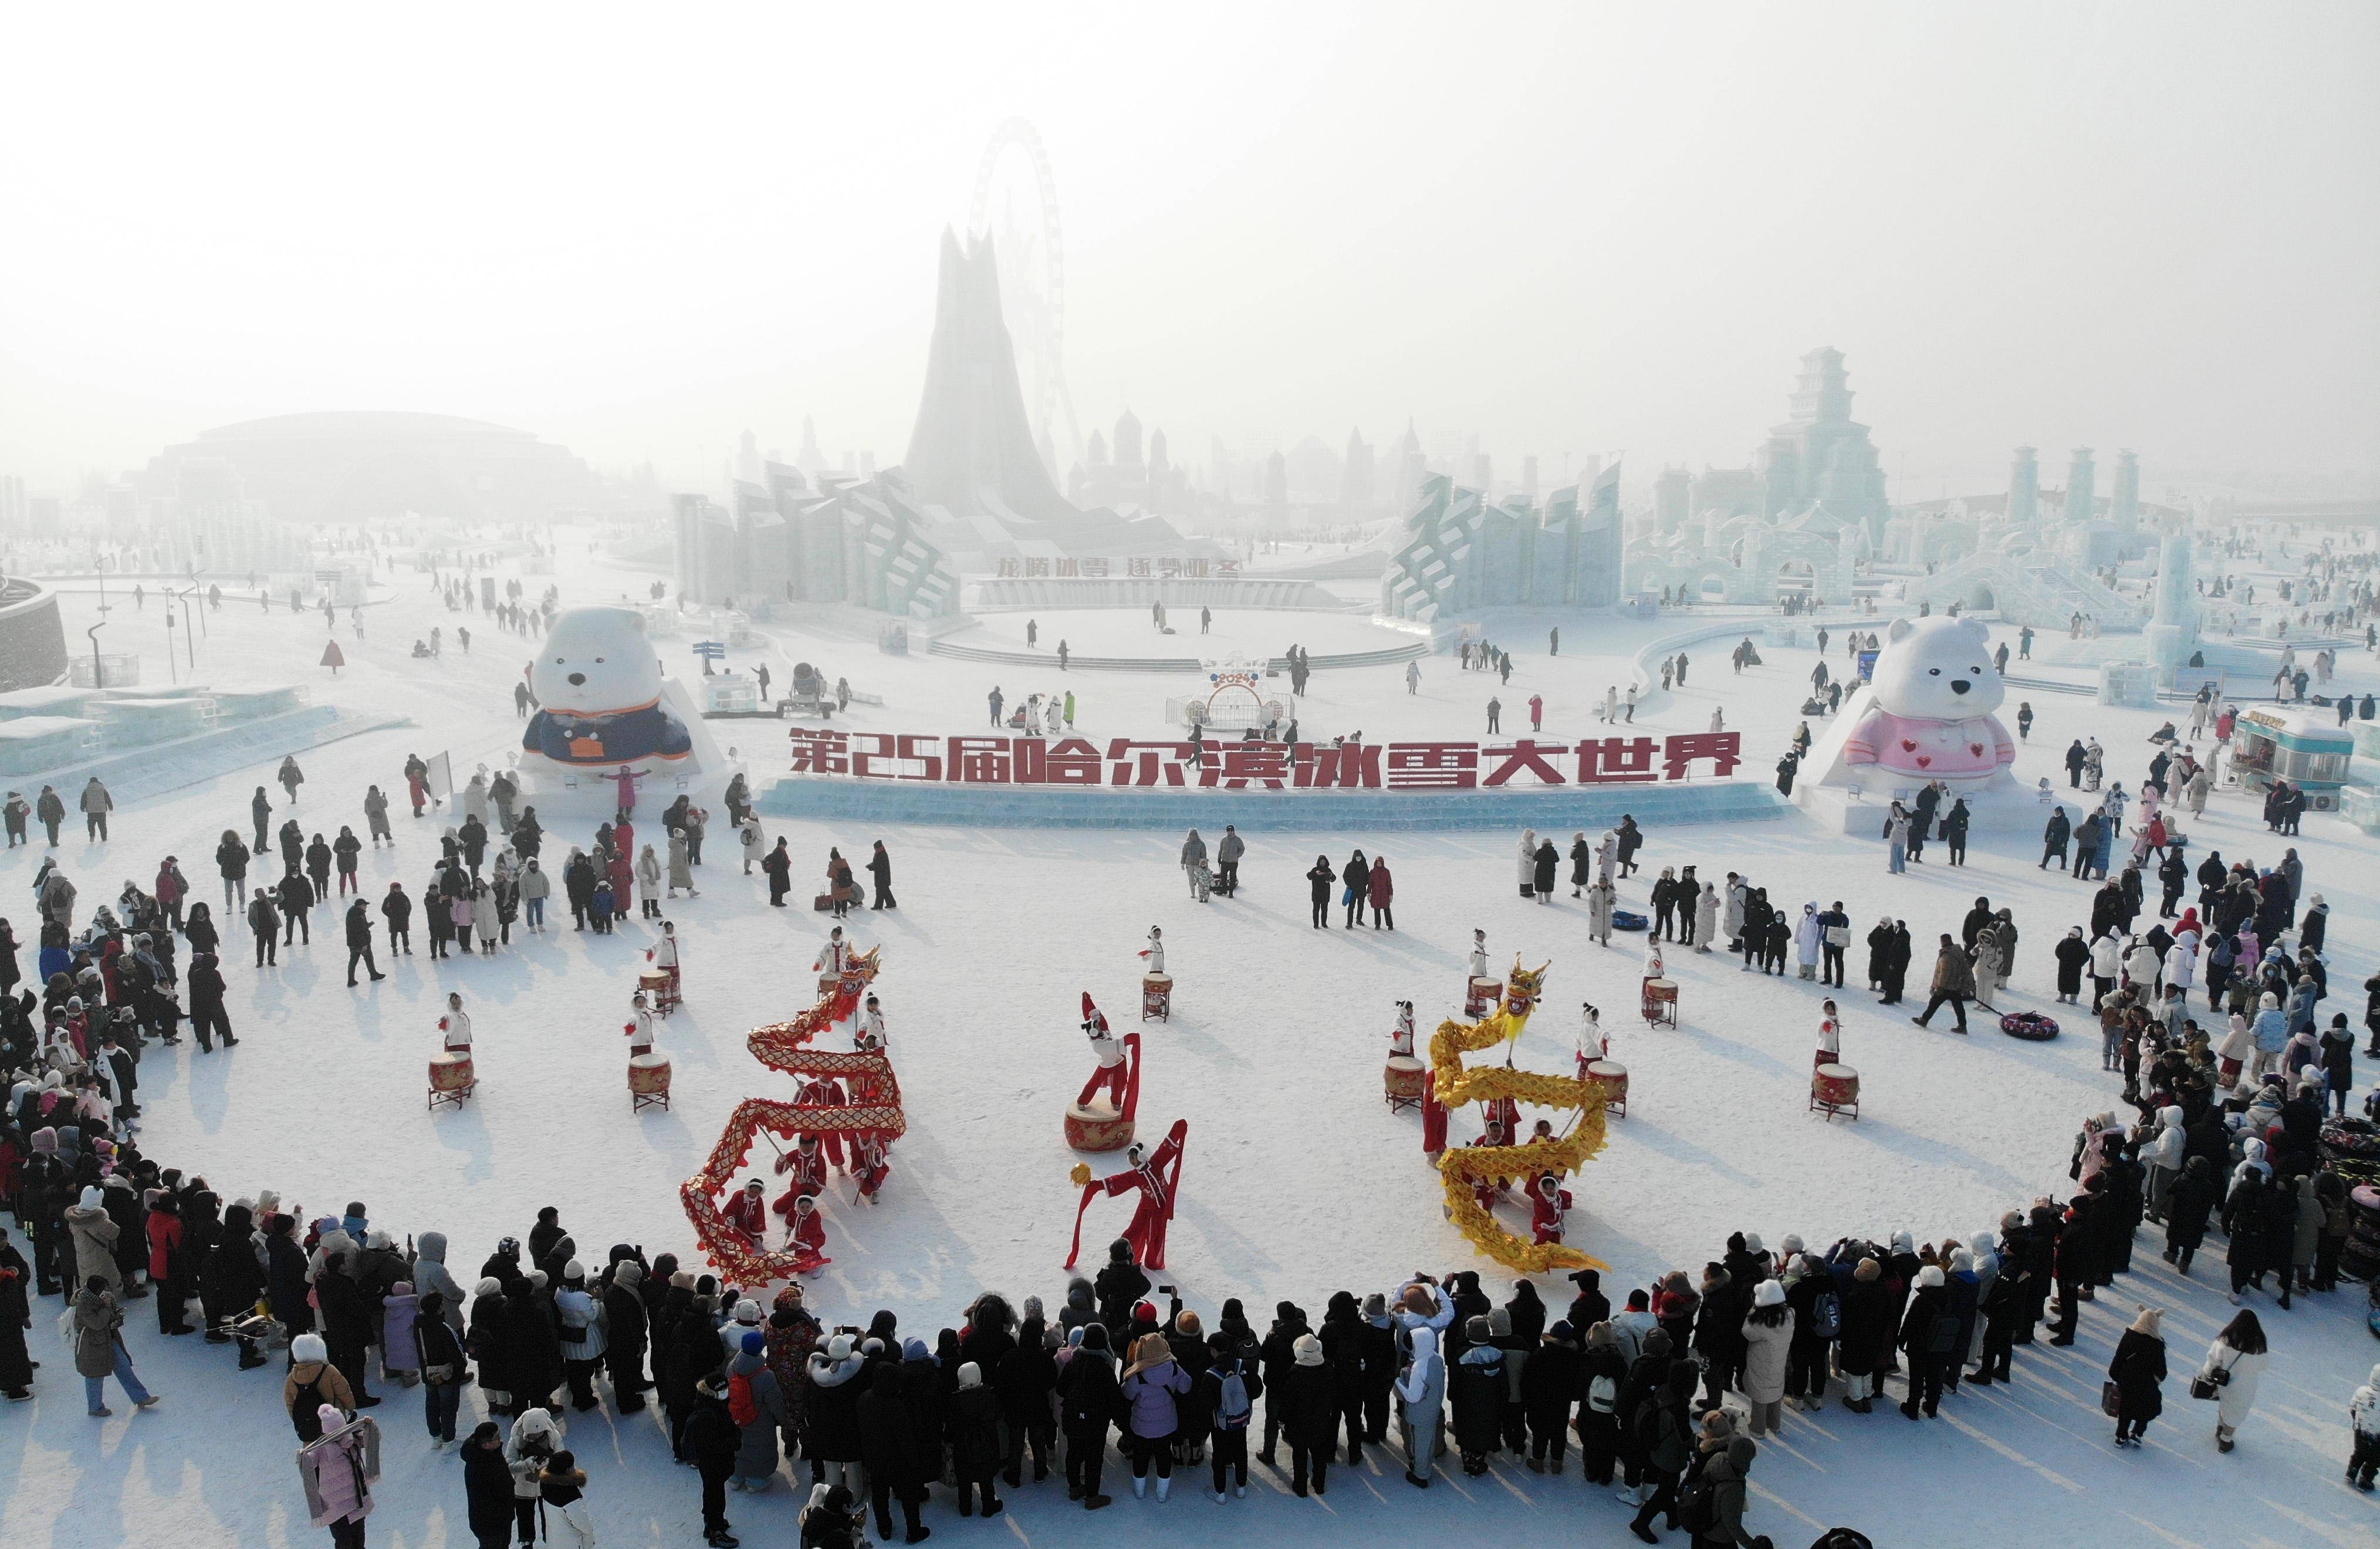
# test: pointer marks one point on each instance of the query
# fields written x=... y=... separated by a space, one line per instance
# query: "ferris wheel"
x=1016 y=205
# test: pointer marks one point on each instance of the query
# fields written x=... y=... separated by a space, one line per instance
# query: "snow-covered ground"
x=1298 y=1181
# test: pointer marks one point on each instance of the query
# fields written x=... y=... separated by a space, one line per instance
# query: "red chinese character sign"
x=1266 y=766
x=845 y=1098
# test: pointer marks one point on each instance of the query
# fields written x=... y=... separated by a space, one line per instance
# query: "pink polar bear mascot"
x=1927 y=712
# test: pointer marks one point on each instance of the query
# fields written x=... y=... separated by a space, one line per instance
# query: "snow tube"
x=2031 y=1026
x=1623 y=920
x=2351 y=1137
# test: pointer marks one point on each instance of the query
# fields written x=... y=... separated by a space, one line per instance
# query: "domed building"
x=349 y=467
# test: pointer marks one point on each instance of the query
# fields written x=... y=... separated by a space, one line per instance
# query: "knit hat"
x=748 y=1311
x=1742 y=1451
x=1309 y=1351
x=1751 y=1242
x=1144 y=1311
x=1188 y=1322
x=1769 y=1294
x=1562 y=1332
x=755 y=1342
x=1375 y=1306
x=1931 y=1275
x=1792 y=1244
x=308 y=1346
x=573 y=1271
x=838 y=1349
x=682 y=1280
x=90 y=1199
x=1478 y=1331
x=916 y=1349
x=487 y=1287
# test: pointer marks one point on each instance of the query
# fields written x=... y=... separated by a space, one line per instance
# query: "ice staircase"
x=2029 y=591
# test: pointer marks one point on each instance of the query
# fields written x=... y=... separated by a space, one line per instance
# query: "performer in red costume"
x=823 y=1092
x=1549 y=1200
x=749 y=1211
x=871 y=1162
x=1157 y=1177
x=1488 y=1191
x=1112 y=1069
x=807 y=1237
x=807 y=1163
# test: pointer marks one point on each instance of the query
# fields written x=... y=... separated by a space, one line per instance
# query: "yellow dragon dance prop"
x=1465 y=1167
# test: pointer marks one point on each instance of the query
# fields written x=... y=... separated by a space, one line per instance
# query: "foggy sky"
x=1572 y=229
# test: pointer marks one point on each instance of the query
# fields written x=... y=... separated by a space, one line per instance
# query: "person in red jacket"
x=165 y=1263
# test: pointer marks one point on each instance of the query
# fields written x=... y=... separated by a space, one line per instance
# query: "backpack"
x=1602 y=1395
x=740 y=1406
x=1233 y=1407
x=1827 y=1315
x=1698 y=1506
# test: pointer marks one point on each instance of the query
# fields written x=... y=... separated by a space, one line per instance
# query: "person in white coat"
x=1732 y=925
x=2141 y=968
x=456 y=1026
x=1705 y=917
x=2181 y=961
x=1600 y=902
x=2235 y=1363
x=1529 y=864
x=2163 y=1157
x=1809 y=936
x=1607 y=856
x=2107 y=966
x=1767 y=1334
x=1155 y=951
x=1421 y=1404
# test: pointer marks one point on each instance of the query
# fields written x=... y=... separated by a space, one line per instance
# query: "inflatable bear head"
x=1937 y=668
x=594 y=661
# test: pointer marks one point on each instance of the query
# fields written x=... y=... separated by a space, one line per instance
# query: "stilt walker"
x=1105 y=1126
x=1157 y=1177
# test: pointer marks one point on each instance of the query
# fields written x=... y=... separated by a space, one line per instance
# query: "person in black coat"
x=889 y=1451
x=536 y=1343
x=207 y=1015
x=359 y=943
x=1550 y=1383
x=1087 y=1396
x=1476 y=1391
x=1929 y=1334
x=1026 y=1379
x=1308 y=1400
x=2054 y=838
x=1356 y=875
x=347 y=1323
x=1319 y=878
x=879 y=872
x=230 y=1280
x=1279 y=1350
x=1343 y=1350
x=971 y=1426
x=625 y=1336
x=285 y=1278
x=2138 y=1372
x=488 y=1485
x=710 y=1439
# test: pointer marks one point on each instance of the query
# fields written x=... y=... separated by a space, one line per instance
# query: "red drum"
x=1614 y=1076
x=1157 y=997
x=1098 y=1129
x=1660 y=1002
x=661 y=989
x=452 y=1078
x=1485 y=995
x=1835 y=1089
x=1405 y=1080
x=648 y=1082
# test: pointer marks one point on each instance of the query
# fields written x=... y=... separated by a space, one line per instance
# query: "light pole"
x=98 y=671
x=190 y=639
x=171 y=676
